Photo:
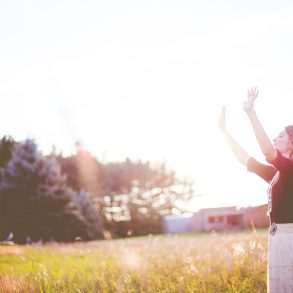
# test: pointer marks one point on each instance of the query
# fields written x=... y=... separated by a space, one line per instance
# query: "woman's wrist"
x=251 y=113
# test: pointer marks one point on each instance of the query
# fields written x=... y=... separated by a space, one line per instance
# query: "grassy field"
x=224 y=262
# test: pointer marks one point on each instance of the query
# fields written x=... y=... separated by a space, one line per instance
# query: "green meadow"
x=212 y=262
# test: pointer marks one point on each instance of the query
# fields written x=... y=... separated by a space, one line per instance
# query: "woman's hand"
x=252 y=94
x=222 y=120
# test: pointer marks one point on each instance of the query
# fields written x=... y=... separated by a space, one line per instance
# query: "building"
x=225 y=218
x=176 y=224
x=218 y=219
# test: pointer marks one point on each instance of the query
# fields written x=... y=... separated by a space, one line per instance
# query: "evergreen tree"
x=36 y=202
x=6 y=148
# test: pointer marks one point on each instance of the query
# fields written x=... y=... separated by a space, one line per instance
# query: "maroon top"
x=282 y=188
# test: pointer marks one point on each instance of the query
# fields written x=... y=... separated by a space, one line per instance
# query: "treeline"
x=61 y=198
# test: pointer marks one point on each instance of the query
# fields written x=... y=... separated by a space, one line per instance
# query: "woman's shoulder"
x=281 y=163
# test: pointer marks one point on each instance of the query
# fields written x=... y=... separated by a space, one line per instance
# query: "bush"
x=36 y=202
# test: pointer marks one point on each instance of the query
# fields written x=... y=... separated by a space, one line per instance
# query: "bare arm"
x=236 y=149
x=263 y=140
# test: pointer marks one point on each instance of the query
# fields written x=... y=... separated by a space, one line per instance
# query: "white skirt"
x=280 y=259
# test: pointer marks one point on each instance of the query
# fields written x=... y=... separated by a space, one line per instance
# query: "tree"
x=36 y=201
x=131 y=197
x=84 y=172
x=6 y=149
x=141 y=195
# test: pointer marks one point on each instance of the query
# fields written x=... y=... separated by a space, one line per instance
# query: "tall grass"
x=234 y=262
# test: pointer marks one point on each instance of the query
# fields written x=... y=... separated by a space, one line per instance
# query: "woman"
x=279 y=175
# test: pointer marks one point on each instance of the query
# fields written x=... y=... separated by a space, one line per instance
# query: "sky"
x=147 y=80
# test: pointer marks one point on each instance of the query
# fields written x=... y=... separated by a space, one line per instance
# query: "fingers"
x=223 y=110
x=252 y=92
x=256 y=91
x=223 y=114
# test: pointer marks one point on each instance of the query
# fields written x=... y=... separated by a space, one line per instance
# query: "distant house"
x=218 y=219
x=226 y=218
x=176 y=224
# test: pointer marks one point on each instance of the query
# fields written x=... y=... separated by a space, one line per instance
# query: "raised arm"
x=236 y=149
x=263 y=140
